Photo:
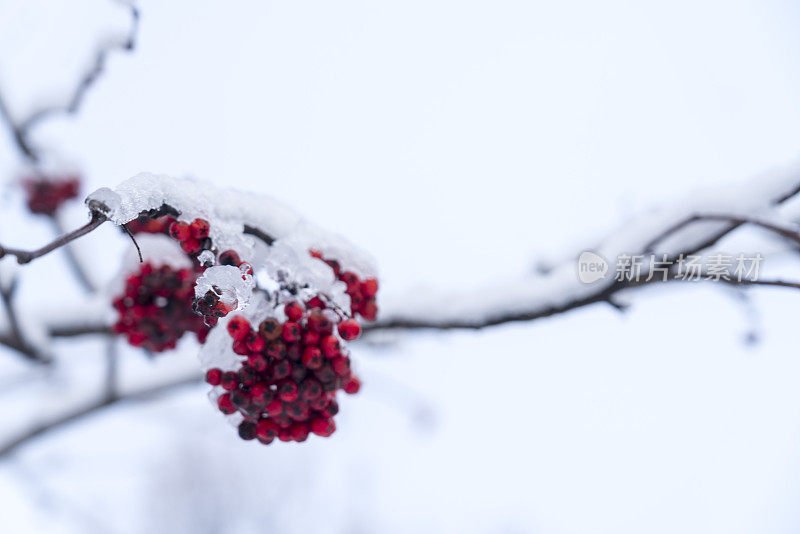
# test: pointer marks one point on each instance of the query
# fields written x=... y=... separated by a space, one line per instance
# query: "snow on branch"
x=685 y=228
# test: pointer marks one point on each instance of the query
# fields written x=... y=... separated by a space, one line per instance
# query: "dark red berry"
x=270 y=329
x=179 y=230
x=255 y=342
x=349 y=329
x=257 y=361
x=315 y=302
x=199 y=228
x=291 y=331
x=331 y=347
x=322 y=426
x=225 y=405
x=352 y=386
x=293 y=311
x=238 y=327
x=230 y=257
x=247 y=430
x=369 y=288
x=312 y=357
x=230 y=380
x=191 y=246
x=287 y=390
x=214 y=376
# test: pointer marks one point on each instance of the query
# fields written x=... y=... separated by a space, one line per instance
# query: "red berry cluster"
x=156 y=308
x=362 y=292
x=149 y=225
x=193 y=236
x=287 y=383
x=46 y=194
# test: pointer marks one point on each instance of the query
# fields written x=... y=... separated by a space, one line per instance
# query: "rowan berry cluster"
x=155 y=309
x=45 y=194
x=290 y=372
x=362 y=292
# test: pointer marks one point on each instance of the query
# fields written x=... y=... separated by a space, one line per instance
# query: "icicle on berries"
x=155 y=309
x=362 y=292
x=46 y=194
x=290 y=372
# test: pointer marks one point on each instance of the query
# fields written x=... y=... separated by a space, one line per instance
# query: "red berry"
x=312 y=357
x=270 y=329
x=257 y=361
x=322 y=426
x=349 y=329
x=274 y=407
x=331 y=346
x=341 y=365
x=310 y=389
x=293 y=310
x=225 y=404
x=299 y=432
x=230 y=381
x=229 y=257
x=291 y=331
x=247 y=430
x=352 y=281
x=310 y=337
x=179 y=230
x=369 y=288
x=191 y=246
x=276 y=350
x=315 y=302
x=281 y=370
x=369 y=310
x=319 y=322
x=199 y=228
x=352 y=386
x=261 y=394
x=214 y=376
x=255 y=342
x=287 y=391
x=238 y=327
x=266 y=430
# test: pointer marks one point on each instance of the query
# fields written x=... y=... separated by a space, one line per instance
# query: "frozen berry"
x=293 y=311
x=349 y=329
x=238 y=327
x=199 y=228
x=179 y=230
x=214 y=376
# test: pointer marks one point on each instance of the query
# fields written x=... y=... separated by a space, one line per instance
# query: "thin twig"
x=76 y=266
x=81 y=412
x=262 y=235
x=16 y=339
x=135 y=244
x=21 y=130
x=26 y=256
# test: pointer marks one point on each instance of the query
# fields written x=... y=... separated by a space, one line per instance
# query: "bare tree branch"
x=15 y=339
x=21 y=130
x=26 y=256
x=78 y=269
x=80 y=412
x=465 y=310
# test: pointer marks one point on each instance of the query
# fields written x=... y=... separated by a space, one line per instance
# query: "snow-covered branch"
x=691 y=225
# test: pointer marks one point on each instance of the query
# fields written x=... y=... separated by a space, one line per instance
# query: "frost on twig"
x=674 y=230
